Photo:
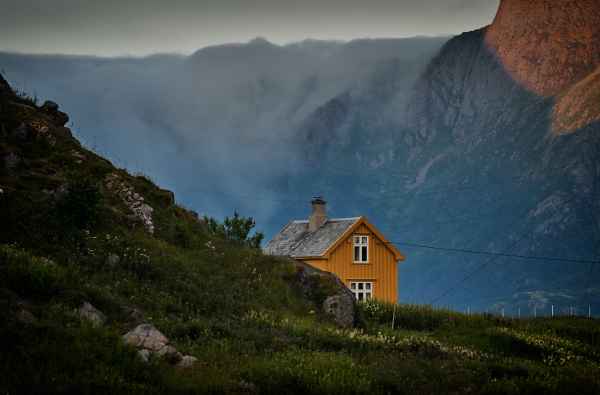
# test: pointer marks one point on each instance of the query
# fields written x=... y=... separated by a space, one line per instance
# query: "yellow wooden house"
x=351 y=248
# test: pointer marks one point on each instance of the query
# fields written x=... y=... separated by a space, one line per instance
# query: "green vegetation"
x=67 y=237
x=235 y=229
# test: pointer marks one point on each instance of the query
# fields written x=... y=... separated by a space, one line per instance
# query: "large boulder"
x=146 y=336
x=150 y=341
x=341 y=307
x=329 y=292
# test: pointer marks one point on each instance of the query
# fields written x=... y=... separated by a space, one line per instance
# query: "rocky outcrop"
x=547 y=45
x=578 y=106
x=133 y=200
x=151 y=342
x=342 y=307
x=51 y=108
x=329 y=292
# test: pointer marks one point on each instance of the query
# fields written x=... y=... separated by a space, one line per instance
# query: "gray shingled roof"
x=295 y=240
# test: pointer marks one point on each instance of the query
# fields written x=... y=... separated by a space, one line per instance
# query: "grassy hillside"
x=73 y=229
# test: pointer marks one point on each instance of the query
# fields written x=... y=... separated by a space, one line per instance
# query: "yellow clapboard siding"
x=382 y=268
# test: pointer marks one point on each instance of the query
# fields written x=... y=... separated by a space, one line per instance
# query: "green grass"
x=242 y=314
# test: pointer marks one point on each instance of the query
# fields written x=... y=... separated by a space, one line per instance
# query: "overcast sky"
x=139 y=27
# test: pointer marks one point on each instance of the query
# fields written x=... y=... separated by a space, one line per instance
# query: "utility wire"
x=493 y=257
x=473 y=273
x=497 y=254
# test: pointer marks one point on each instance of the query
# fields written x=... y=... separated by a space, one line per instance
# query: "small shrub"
x=236 y=229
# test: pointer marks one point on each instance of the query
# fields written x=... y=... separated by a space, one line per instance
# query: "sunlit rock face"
x=547 y=45
x=578 y=106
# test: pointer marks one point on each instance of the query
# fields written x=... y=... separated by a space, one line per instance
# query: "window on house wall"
x=362 y=290
x=361 y=249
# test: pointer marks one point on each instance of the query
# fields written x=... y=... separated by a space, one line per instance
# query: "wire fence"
x=527 y=312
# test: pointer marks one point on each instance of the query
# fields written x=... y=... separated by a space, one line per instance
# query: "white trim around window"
x=361 y=249
x=362 y=290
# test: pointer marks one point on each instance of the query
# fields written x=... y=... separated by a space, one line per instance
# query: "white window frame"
x=362 y=290
x=362 y=243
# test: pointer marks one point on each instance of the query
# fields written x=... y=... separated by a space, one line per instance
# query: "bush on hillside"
x=236 y=229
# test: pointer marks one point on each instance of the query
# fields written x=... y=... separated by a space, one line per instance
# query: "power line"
x=497 y=254
x=473 y=272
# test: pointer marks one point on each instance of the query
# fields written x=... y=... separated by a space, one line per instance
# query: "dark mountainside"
x=474 y=160
x=108 y=286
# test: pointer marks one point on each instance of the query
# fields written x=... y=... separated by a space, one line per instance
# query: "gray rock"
x=340 y=304
x=144 y=355
x=187 y=361
x=170 y=353
x=146 y=336
x=91 y=314
x=151 y=341
x=341 y=307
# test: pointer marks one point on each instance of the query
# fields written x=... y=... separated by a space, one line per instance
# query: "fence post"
x=394 y=316
x=552 y=311
x=590 y=310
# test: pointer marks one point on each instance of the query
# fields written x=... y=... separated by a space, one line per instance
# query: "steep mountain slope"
x=469 y=160
x=89 y=252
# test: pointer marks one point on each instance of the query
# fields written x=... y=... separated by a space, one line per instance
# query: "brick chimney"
x=319 y=214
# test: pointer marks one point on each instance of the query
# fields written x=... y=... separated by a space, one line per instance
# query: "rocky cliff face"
x=547 y=45
x=470 y=160
x=552 y=48
x=578 y=106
